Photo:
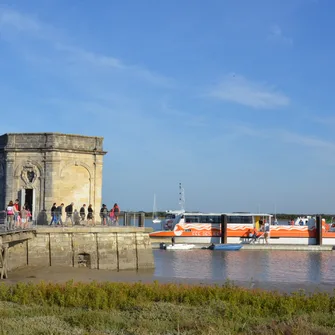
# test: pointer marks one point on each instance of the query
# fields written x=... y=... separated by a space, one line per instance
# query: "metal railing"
x=14 y=223
x=122 y=219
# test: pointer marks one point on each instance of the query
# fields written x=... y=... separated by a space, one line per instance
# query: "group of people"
x=262 y=232
x=81 y=217
x=17 y=216
x=110 y=216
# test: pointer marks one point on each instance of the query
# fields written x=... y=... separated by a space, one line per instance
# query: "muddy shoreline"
x=62 y=274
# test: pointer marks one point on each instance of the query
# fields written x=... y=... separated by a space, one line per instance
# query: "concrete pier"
x=112 y=248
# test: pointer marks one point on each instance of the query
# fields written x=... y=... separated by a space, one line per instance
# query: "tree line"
x=279 y=216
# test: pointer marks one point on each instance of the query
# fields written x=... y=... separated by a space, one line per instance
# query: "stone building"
x=42 y=168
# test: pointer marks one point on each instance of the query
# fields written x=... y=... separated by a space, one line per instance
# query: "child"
x=28 y=217
x=24 y=214
x=18 y=221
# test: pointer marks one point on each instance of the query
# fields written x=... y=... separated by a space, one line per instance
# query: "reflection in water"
x=247 y=266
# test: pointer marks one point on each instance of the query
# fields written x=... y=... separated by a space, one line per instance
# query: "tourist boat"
x=193 y=227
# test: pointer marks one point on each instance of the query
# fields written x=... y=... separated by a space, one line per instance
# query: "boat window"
x=216 y=219
x=239 y=219
x=170 y=216
x=202 y=218
x=212 y=219
x=191 y=219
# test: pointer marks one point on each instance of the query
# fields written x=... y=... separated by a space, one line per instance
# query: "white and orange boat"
x=193 y=227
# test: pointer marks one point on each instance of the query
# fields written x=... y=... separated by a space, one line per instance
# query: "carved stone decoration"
x=29 y=174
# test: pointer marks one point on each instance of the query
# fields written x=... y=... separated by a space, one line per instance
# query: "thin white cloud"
x=18 y=21
x=325 y=120
x=276 y=34
x=237 y=89
x=307 y=141
x=26 y=26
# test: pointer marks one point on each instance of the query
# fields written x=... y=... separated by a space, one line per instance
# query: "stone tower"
x=42 y=168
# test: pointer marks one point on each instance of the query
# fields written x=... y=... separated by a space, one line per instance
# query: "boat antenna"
x=181 y=198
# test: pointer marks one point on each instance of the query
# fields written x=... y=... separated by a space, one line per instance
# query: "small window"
x=192 y=219
x=239 y=219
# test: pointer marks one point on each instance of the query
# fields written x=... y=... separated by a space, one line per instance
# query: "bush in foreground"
x=136 y=308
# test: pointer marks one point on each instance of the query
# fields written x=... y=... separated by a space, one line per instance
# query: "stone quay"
x=40 y=169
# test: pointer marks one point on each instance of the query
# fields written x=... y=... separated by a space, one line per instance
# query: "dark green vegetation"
x=124 y=308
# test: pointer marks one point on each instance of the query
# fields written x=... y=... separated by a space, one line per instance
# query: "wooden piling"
x=141 y=219
x=319 y=230
x=224 y=229
x=125 y=219
x=4 y=261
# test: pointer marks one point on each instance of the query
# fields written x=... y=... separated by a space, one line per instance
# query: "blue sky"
x=232 y=98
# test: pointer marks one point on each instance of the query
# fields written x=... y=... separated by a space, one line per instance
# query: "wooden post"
x=4 y=263
x=141 y=218
x=224 y=229
x=318 y=230
x=125 y=218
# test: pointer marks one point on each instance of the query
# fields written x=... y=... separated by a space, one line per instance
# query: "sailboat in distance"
x=155 y=218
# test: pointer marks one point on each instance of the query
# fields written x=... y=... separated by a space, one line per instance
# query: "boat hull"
x=177 y=246
x=328 y=239
x=228 y=247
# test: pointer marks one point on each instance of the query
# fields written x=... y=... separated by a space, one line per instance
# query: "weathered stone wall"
x=114 y=248
x=17 y=256
x=38 y=250
x=108 y=256
x=57 y=167
x=2 y=179
x=60 y=250
x=127 y=249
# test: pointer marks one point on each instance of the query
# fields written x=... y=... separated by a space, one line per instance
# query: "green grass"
x=126 y=308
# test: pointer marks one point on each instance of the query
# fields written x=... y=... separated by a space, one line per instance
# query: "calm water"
x=274 y=269
x=285 y=271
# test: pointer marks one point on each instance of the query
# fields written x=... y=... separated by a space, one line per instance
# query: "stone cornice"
x=42 y=150
x=48 y=142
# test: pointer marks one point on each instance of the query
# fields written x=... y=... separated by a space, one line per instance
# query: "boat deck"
x=257 y=246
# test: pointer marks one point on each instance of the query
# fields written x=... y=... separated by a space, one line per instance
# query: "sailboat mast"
x=154 y=207
x=181 y=198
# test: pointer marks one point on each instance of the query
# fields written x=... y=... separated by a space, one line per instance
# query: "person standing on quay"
x=24 y=217
x=16 y=212
x=10 y=210
x=53 y=214
x=69 y=213
x=59 y=213
x=104 y=214
x=82 y=213
x=90 y=217
x=116 y=211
